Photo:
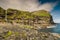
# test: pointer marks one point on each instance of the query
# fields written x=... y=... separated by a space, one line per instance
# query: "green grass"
x=9 y=33
x=41 y=13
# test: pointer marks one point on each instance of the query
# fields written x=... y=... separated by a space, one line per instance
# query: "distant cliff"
x=36 y=18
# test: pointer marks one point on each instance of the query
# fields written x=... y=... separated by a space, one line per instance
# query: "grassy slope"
x=27 y=14
x=41 y=13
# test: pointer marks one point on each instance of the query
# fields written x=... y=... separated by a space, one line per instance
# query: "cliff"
x=36 y=18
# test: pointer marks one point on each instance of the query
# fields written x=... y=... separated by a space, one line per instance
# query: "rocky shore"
x=16 y=32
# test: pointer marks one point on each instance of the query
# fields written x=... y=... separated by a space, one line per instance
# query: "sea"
x=55 y=29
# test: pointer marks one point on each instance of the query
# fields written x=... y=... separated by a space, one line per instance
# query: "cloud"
x=47 y=6
x=26 y=5
x=57 y=20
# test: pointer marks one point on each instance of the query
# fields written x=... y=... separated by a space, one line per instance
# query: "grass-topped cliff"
x=25 y=14
x=40 y=17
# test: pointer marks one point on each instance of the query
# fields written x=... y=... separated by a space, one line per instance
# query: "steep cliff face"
x=36 y=18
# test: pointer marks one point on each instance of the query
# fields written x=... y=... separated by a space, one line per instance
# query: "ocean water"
x=55 y=29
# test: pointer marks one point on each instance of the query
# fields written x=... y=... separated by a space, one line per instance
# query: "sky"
x=53 y=6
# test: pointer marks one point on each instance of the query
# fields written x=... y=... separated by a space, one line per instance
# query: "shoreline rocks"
x=19 y=33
